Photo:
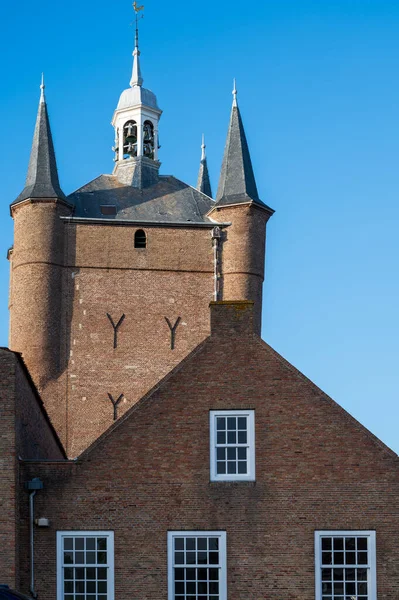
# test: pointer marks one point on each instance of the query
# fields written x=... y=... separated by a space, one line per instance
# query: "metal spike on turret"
x=235 y=93
x=42 y=87
x=237 y=183
x=42 y=179
x=204 y=182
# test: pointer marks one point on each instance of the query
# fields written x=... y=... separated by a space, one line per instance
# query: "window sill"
x=237 y=483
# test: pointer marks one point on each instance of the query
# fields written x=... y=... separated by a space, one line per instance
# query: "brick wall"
x=25 y=431
x=8 y=470
x=316 y=468
x=66 y=277
x=35 y=436
x=172 y=277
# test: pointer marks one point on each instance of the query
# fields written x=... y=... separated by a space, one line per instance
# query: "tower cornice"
x=14 y=207
x=263 y=207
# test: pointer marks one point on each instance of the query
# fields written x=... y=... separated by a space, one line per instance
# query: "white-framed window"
x=345 y=565
x=85 y=565
x=232 y=445
x=197 y=565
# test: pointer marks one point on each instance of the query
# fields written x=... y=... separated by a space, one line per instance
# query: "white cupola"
x=135 y=122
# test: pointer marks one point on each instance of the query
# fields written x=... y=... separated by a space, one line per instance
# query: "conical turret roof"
x=42 y=179
x=237 y=183
x=204 y=182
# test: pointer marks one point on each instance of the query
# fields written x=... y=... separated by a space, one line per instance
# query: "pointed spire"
x=237 y=183
x=136 y=75
x=42 y=179
x=204 y=182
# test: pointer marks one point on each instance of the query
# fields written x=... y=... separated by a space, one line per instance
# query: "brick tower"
x=110 y=286
x=37 y=258
x=238 y=203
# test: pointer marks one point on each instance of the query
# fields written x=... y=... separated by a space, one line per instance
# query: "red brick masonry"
x=316 y=468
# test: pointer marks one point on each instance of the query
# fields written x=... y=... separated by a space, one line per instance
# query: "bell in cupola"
x=148 y=139
x=131 y=132
x=130 y=138
x=136 y=119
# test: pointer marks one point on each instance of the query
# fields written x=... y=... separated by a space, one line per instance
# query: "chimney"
x=232 y=318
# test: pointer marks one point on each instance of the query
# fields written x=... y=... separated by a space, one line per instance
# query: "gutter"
x=127 y=223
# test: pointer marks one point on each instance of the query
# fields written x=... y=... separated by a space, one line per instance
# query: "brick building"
x=152 y=444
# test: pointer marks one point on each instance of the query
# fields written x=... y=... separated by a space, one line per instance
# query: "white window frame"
x=371 y=569
x=222 y=559
x=110 y=564
x=250 y=415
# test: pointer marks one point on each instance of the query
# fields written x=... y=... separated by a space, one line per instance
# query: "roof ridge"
x=92 y=181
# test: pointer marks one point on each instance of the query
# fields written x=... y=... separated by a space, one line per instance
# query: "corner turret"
x=238 y=202
x=37 y=258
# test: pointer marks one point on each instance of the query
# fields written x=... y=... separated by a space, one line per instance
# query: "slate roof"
x=42 y=179
x=204 y=182
x=237 y=181
x=168 y=201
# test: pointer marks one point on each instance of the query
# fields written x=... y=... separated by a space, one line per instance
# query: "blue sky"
x=319 y=95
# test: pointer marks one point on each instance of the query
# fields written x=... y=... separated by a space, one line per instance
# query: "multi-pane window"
x=232 y=439
x=85 y=562
x=197 y=565
x=345 y=565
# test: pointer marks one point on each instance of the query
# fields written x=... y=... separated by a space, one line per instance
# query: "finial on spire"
x=42 y=86
x=235 y=94
x=203 y=146
x=136 y=76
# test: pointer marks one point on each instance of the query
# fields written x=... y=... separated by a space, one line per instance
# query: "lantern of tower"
x=135 y=122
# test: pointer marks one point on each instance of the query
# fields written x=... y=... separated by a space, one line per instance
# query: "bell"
x=132 y=139
x=131 y=133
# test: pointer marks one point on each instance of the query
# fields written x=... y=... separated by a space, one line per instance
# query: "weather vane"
x=137 y=10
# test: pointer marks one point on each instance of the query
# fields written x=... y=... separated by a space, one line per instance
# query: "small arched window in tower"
x=140 y=239
x=148 y=140
x=130 y=139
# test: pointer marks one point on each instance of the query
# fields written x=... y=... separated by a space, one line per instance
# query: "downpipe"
x=32 y=486
x=32 y=544
x=216 y=238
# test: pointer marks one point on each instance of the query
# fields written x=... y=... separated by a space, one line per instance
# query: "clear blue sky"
x=319 y=94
